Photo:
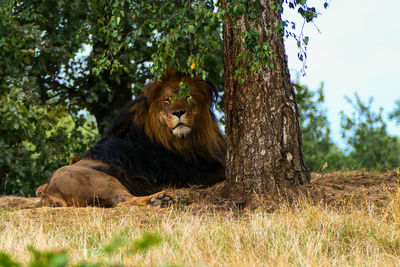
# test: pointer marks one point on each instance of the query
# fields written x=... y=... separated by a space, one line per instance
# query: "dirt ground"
x=331 y=189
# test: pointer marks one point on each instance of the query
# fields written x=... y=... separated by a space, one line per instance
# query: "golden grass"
x=300 y=234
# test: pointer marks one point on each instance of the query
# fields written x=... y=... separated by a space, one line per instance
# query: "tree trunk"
x=262 y=121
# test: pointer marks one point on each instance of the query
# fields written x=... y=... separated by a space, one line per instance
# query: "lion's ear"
x=140 y=110
x=171 y=73
x=150 y=91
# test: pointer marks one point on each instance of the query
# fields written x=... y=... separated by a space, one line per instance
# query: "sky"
x=356 y=49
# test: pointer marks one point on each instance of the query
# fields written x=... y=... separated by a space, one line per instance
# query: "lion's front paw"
x=163 y=199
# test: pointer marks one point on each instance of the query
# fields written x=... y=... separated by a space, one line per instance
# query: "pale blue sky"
x=358 y=50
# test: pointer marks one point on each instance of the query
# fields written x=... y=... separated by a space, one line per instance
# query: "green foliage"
x=115 y=244
x=143 y=243
x=365 y=132
x=36 y=139
x=6 y=261
x=61 y=258
x=308 y=14
x=259 y=54
x=147 y=241
x=48 y=258
x=395 y=114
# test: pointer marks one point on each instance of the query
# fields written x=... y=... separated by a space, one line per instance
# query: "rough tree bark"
x=262 y=121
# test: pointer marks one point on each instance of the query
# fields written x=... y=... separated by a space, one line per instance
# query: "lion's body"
x=156 y=140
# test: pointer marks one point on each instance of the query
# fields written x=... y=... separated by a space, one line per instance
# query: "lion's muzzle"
x=181 y=130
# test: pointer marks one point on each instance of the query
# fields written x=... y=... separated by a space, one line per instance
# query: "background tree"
x=395 y=114
x=320 y=153
x=365 y=132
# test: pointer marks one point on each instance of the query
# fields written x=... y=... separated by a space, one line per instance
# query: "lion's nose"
x=179 y=113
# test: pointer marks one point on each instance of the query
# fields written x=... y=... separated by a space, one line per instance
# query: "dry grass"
x=311 y=231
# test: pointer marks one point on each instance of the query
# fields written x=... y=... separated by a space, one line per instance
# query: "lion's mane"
x=144 y=155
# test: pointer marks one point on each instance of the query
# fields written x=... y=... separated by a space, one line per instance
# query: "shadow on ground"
x=332 y=189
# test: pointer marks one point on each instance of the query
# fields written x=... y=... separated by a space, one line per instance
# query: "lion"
x=160 y=139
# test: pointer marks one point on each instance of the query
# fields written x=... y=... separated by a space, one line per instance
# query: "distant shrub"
x=37 y=139
x=319 y=151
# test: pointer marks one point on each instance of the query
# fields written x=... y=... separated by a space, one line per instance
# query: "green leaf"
x=116 y=243
x=191 y=28
x=146 y=241
x=48 y=258
x=6 y=261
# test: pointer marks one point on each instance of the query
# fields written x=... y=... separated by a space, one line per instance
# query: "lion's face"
x=182 y=123
x=179 y=115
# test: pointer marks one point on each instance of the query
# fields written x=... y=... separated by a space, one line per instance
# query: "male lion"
x=156 y=140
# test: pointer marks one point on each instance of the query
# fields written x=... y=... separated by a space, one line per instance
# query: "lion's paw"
x=161 y=200
x=164 y=200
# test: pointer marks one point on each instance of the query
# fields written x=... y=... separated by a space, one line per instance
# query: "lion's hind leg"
x=79 y=186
